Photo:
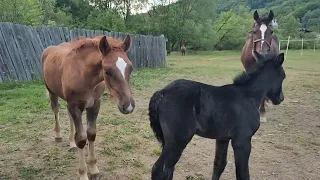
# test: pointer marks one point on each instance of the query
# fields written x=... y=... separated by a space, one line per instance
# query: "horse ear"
x=271 y=15
x=126 y=43
x=104 y=46
x=280 y=59
x=256 y=16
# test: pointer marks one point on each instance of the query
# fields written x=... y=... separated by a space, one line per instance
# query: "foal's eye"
x=108 y=72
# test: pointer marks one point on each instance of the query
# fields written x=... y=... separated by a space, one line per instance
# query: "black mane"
x=246 y=76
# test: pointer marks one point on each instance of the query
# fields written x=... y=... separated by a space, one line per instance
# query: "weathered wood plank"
x=26 y=48
x=90 y=33
x=98 y=33
x=144 y=58
x=138 y=51
x=11 y=48
x=34 y=49
x=61 y=35
x=53 y=35
x=41 y=35
x=46 y=32
x=11 y=73
x=3 y=70
x=66 y=33
x=21 y=49
x=73 y=34
x=154 y=52
x=38 y=47
x=83 y=32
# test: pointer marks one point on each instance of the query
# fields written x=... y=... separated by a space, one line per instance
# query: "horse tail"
x=154 y=116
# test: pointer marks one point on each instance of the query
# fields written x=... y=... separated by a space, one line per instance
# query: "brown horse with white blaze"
x=78 y=72
x=262 y=40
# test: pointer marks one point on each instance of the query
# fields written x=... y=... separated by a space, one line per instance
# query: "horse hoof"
x=58 y=139
x=94 y=177
x=73 y=149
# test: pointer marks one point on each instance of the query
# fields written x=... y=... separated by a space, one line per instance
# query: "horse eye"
x=108 y=72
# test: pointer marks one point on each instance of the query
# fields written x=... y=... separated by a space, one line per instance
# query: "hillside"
x=199 y=24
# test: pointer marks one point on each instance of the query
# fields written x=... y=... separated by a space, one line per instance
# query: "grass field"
x=287 y=147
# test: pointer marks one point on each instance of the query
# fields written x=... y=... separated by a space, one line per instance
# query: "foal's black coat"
x=185 y=108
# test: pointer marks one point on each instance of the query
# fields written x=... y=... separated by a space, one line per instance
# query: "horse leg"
x=262 y=110
x=80 y=138
x=220 y=160
x=164 y=167
x=55 y=106
x=242 y=150
x=72 y=146
x=157 y=168
x=172 y=154
x=92 y=114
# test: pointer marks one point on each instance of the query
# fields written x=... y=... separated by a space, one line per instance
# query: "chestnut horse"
x=183 y=50
x=262 y=40
x=78 y=73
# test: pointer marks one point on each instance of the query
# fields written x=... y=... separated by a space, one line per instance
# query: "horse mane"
x=246 y=76
x=84 y=42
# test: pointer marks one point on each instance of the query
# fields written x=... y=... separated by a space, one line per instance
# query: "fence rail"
x=21 y=48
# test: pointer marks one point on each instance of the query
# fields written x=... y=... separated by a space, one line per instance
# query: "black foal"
x=185 y=108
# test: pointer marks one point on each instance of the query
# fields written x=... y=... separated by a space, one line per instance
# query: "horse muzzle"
x=126 y=107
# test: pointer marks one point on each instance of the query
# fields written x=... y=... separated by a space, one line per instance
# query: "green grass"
x=26 y=120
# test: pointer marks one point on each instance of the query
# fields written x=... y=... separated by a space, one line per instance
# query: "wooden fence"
x=21 y=48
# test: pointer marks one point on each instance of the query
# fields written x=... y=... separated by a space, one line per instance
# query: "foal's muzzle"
x=278 y=100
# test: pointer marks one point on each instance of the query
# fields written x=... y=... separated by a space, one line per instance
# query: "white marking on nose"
x=130 y=108
x=121 y=65
x=263 y=29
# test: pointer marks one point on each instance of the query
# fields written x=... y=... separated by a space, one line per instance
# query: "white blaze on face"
x=121 y=65
x=130 y=108
x=263 y=29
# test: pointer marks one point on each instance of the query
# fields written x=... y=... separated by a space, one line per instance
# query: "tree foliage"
x=199 y=24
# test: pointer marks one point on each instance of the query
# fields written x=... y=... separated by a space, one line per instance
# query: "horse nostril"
x=123 y=108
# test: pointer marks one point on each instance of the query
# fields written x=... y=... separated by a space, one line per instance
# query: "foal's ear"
x=256 y=16
x=271 y=15
x=104 y=46
x=126 y=43
x=280 y=59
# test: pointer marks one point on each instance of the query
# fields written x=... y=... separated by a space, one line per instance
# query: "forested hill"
x=221 y=24
x=200 y=24
x=307 y=11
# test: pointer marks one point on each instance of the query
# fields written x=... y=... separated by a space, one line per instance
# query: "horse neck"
x=247 y=58
x=260 y=85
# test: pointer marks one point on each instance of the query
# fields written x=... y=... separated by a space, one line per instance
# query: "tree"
x=106 y=20
x=26 y=12
x=289 y=26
